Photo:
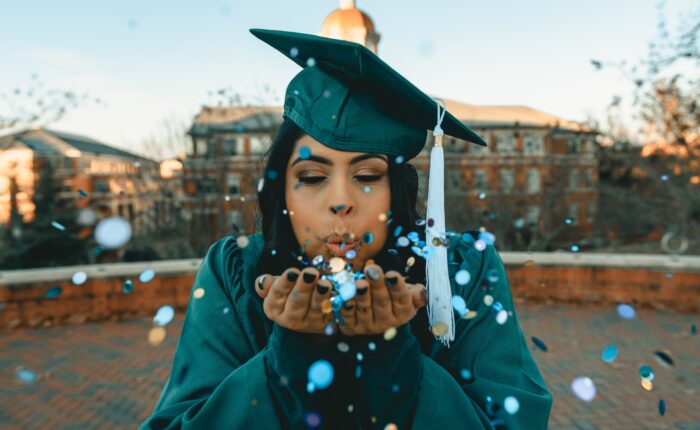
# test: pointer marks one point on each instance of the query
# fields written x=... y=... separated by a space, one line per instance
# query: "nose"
x=341 y=201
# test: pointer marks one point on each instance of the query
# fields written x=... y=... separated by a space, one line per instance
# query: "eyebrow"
x=354 y=160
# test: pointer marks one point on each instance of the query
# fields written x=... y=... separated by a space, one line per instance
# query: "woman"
x=320 y=322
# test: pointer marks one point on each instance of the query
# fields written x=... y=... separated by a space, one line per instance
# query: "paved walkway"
x=107 y=376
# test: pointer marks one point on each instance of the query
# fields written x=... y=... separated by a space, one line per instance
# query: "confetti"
x=337 y=264
x=647 y=384
x=304 y=152
x=662 y=407
x=482 y=196
x=539 y=344
x=368 y=237
x=391 y=426
x=609 y=354
x=294 y=52
x=583 y=388
x=311 y=62
x=462 y=277
x=403 y=242
x=198 y=293
x=470 y=315
x=502 y=317
x=26 y=376
x=86 y=217
x=147 y=276
x=156 y=336
x=164 y=315
x=664 y=359
x=492 y=276
x=390 y=333
x=113 y=232
x=372 y=346
x=79 y=278
x=439 y=329
x=128 y=286
x=52 y=293
x=351 y=254
x=488 y=300
x=569 y=221
x=511 y=405
x=646 y=372
x=343 y=347
x=58 y=226
x=242 y=241
x=320 y=375
x=271 y=175
x=312 y=419
x=575 y=248
x=367 y=189
x=459 y=305
x=625 y=311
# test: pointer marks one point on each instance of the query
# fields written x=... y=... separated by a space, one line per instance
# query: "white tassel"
x=440 y=314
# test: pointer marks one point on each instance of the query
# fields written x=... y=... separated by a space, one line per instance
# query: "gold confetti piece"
x=391 y=426
x=254 y=402
x=439 y=329
x=242 y=241
x=368 y=262
x=488 y=300
x=528 y=263
x=326 y=306
x=337 y=264
x=198 y=293
x=647 y=384
x=411 y=261
x=469 y=315
x=390 y=333
x=382 y=217
x=156 y=336
x=374 y=420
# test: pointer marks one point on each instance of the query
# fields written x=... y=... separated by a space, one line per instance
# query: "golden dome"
x=351 y=24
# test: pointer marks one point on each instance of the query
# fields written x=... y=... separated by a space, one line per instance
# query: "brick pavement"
x=107 y=376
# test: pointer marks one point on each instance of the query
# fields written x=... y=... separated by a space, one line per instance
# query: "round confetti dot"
x=351 y=254
x=465 y=374
x=647 y=384
x=372 y=346
x=86 y=217
x=462 y=277
x=304 y=152
x=411 y=261
x=502 y=317
x=52 y=293
x=382 y=217
x=147 y=275
x=128 y=286
x=511 y=405
x=575 y=248
x=479 y=245
x=646 y=372
x=311 y=62
x=482 y=196
x=317 y=261
x=198 y=293
x=487 y=237
x=569 y=221
x=343 y=347
x=271 y=175
x=391 y=426
x=326 y=306
x=390 y=333
x=112 y=232
x=519 y=223
x=395 y=388
x=368 y=237
x=329 y=329
x=403 y=242
x=312 y=419
x=662 y=407
x=470 y=315
x=26 y=376
x=420 y=222
x=528 y=263
x=359 y=356
x=253 y=402
x=351 y=408
x=439 y=329
x=79 y=278
x=583 y=388
x=320 y=374
x=242 y=241
x=492 y=276
x=164 y=315
x=294 y=52
x=399 y=159
x=625 y=311
x=347 y=291
x=366 y=189
x=488 y=300
x=156 y=336
x=337 y=264
x=459 y=305
x=609 y=354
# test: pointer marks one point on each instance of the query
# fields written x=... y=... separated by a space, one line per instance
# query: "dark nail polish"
x=309 y=277
x=362 y=290
x=292 y=276
x=391 y=280
x=348 y=306
x=322 y=289
x=261 y=282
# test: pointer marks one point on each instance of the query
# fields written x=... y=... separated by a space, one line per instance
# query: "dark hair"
x=281 y=249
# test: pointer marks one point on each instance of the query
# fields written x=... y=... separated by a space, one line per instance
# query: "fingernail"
x=391 y=280
x=348 y=306
x=373 y=273
x=309 y=277
x=261 y=281
x=362 y=290
x=322 y=289
x=292 y=276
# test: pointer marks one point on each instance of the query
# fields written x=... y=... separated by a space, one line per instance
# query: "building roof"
x=236 y=119
x=347 y=18
x=57 y=143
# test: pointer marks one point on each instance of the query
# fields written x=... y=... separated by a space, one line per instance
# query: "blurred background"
x=132 y=135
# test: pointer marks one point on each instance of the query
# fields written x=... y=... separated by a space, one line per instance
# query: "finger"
x=400 y=297
x=320 y=294
x=381 y=301
x=279 y=291
x=418 y=295
x=363 y=304
x=263 y=284
x=348 y=314
x=300 y=297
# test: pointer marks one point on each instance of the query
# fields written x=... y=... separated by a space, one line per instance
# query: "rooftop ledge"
x=187 y=266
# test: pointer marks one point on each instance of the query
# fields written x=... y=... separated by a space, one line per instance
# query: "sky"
x=155 y=61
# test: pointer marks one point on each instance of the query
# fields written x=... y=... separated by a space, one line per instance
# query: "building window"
x=101 y=186
x=230 y=146
x=573 y=179
x=533 y=144
x=507 y=180
x=590 y=212
x=573 y=145
x=480 y=181
x=573 y=212
x=201 y=147
x=506 y=143
x=233 y=184
x=533 y=215
x=533 y=180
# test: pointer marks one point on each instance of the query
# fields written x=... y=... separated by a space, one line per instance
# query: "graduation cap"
x=349 y=99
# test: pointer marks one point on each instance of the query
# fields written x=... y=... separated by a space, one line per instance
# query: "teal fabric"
x=349 y=99
x=235 y=369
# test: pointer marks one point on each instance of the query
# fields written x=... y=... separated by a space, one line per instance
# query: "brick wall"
x=657 y=282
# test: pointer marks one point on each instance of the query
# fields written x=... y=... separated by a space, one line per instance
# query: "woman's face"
x=336 y=196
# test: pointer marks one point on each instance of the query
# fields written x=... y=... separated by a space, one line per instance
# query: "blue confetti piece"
x=539 y=344
x=320 y=374
x=304 y=152
x=662 y=407
x=609 y=354
x=128 y=286
x=53 y=292
x=58 y=226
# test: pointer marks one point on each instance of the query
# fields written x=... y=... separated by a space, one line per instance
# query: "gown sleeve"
x=487 y=377
x=218 y=378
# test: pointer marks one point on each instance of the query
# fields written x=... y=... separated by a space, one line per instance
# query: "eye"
x=368 y=178
x=311 y=180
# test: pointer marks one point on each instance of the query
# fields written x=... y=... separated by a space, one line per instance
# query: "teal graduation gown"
x=235 y=369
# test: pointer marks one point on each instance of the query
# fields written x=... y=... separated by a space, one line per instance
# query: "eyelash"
x=314 y=180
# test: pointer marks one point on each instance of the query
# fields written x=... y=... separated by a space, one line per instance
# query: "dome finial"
x=347 y=4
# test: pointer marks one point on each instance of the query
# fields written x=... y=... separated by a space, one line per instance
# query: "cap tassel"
x=440 y=314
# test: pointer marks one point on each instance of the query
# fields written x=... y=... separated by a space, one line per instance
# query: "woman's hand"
x=294 y=299
x=382 y=301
